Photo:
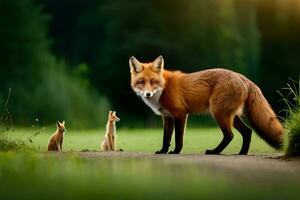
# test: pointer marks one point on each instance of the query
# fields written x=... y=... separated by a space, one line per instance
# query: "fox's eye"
x=140 y=82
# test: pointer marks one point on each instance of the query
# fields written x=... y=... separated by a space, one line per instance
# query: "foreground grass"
x=146 y=140
x=41 y=175
x=61 y=176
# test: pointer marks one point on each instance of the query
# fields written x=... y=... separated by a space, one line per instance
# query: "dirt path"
x=267 y=164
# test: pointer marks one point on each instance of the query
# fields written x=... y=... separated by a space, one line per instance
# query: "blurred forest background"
x=68 y=59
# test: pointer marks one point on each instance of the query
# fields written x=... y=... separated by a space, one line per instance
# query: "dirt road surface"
x=250 y=166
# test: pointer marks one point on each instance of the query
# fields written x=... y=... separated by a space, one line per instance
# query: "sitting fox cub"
x=56 y=140
x=109 y=142
x=224 y=93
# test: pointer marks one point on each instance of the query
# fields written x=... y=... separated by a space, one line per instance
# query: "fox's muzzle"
x=148 y=94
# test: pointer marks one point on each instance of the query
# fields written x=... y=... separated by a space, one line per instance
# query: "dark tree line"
x=43 y=86
x=92 y=41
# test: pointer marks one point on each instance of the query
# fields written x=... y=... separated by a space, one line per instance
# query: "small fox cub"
x=56 y=140
x=224 y=93
x=109 y=142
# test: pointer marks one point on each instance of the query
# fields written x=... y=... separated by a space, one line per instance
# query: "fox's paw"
x=243 y=153
x=162 y=151
x=174 y=152
x=210 y=152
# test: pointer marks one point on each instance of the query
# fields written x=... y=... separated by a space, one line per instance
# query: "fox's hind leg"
x=226 y=101
x=245 y=132
x=225 y=125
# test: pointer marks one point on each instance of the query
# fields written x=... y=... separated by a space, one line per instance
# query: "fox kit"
x=223 y=93
x=56 y=140
x=109 y=142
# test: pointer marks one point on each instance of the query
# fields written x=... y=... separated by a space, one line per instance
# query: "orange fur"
x=56 y=140
x=223 y=93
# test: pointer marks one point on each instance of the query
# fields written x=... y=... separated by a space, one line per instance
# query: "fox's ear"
x=63 y=123
x=110 y=112
x=135 y=65
x=58 y=123
x=158 y=64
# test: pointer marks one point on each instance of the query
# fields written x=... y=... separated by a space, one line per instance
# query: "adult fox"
x=223 y=93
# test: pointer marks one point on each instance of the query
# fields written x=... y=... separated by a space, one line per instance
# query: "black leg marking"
x=179 y=133
x=246 y=133
x=168 y=131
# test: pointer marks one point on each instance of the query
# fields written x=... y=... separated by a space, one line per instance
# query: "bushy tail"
x=263 y=118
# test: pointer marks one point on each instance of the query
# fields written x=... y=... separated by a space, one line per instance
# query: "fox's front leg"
x=168 y=131
x=60 y=143
x=58 y=146
x=111 y=142
x=179 y=133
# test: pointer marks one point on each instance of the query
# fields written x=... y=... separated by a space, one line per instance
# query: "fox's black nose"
x=148 y=94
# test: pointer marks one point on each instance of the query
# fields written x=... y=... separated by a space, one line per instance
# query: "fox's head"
x=147 y=78
x=112 y=116
x=61 y=126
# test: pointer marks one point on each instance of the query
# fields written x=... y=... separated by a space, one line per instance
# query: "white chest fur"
x=154 y=104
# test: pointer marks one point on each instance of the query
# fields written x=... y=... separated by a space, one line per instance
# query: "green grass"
x=292 y=122
x=148 y=140
x=9 y=143
x=56 y=176
x=293 y=127
x=40 y=175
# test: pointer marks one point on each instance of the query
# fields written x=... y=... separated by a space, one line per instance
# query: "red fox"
x=109 y=142
x=56 y=140
x=223 y=93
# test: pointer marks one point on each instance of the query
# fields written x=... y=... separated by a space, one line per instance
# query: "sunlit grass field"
x=196 y=141
x=39 y=175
